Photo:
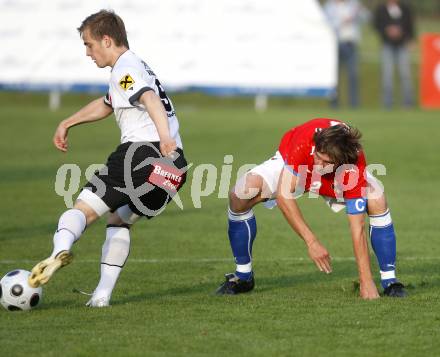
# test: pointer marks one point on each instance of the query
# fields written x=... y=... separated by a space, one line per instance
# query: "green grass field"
x=164 y=303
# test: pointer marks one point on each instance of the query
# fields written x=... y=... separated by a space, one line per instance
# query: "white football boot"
x=43 y=271
x=98 y=302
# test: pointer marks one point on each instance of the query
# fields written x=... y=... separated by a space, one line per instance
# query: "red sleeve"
x=295 y=149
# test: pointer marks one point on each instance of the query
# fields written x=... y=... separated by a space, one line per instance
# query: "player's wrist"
x=165 y=138
x=310 y=241
x=365 y=279
x=65 y=124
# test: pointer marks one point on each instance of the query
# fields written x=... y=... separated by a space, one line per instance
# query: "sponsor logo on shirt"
x=126 y=82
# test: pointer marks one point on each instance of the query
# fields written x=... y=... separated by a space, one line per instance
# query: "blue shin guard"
x=383 y=241
x=242 y=231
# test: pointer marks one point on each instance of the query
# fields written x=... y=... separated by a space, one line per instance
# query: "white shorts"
x=270 y=170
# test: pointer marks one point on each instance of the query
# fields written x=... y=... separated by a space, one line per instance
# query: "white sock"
x=62 y=240
x=107 y=282
x=70 y=227
x=114 y=254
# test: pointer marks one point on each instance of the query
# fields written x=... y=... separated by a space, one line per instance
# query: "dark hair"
x=105 y=22
x=340 y=142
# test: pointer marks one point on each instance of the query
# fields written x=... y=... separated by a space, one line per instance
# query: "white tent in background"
x=254 y=47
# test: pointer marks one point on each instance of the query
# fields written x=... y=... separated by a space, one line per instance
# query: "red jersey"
x=297 y=148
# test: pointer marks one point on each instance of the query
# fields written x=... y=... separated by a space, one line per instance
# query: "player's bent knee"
x=377 y=205
x=246 y=193
x=126 y=215
x=247 y=187
x=94 y=204
x=114 y=220
x=88 y=212
x=238 y=205
x=375 y=187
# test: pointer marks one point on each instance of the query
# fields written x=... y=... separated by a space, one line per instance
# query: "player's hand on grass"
x=368 y=290
x=167 y=146
x=319 y=254
x=60 y=137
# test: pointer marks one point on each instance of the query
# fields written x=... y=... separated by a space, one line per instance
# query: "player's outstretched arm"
x=287 y=204
x=155 y=109
x=368 y=289
x=95 y=110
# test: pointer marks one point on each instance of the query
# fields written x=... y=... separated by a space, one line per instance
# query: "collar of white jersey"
x=120 y=56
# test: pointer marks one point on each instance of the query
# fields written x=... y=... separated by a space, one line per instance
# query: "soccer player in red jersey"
x=323 y=157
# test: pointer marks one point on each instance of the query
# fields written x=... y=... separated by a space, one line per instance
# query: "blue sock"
x=383 y=241
x=242 y=231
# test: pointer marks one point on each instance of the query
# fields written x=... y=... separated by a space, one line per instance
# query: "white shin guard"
x=70 y=227
x=74 y=221
x=116 y=246
x=114 y=254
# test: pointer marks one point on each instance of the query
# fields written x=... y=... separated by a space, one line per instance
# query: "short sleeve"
x=132 y=83
x=295 y=151
x=297 y=161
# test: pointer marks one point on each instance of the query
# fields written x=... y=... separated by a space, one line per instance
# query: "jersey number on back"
x=163 y=97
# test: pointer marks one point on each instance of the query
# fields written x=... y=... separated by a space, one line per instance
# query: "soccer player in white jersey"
x=140 y=176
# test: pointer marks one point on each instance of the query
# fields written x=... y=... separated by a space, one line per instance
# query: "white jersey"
x=130 y=78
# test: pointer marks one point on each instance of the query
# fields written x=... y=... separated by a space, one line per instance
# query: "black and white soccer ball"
x=16 y=293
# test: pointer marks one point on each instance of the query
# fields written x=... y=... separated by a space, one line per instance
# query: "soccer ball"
x=16 y=293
